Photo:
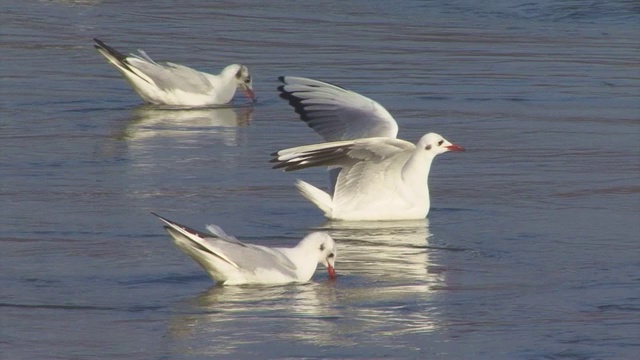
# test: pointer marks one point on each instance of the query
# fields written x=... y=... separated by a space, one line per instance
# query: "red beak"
x=249 y=93
x=331 y=271
x=454 y=147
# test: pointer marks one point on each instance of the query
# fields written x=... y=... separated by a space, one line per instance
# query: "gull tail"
x=193 y=243
x=119 y=60
x=114 y=56
x=320 y=198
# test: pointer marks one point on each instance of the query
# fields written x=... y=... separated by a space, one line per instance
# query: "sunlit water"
x=531 y=250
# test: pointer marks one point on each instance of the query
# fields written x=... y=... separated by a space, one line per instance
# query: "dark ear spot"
x=322 y=247
x=428 y=147
x=239 y=73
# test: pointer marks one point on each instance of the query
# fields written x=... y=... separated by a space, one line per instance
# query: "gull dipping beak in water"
x=231 y=262
x=177 y=85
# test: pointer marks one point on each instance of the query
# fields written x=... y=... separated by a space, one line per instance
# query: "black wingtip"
x=167 y=220
x=159 y=216
x=280 y=166
x=281 y=79
x=100 y=44
x=183 y=227
x=115 y=53
x=286 y=96
x=295 y=102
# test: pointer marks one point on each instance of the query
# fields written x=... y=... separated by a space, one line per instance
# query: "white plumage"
x=372 y=175
x=231 y=262
x=177 y=85
x=378 y=178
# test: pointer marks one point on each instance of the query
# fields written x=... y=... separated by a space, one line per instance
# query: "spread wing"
x=336 y=113
x=367 y=166
x=342 y=154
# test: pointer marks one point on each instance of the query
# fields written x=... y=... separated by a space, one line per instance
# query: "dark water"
x=531 y=250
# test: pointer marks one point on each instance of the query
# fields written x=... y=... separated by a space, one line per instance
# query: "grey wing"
x=336 y=113
x=245 y=257
x=356 y=164
x=217 y=231
x=170 y=76
x=339 y=153
x=250 y=257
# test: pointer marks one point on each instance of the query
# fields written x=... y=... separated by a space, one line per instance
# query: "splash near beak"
x=454 y=147
x=331 y=271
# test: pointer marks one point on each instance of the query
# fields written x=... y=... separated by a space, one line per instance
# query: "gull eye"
x=428 y=147
x=247 y=80
x=440 y=142
x=331 y=255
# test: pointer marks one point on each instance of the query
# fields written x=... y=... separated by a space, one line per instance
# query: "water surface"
x=530 y=250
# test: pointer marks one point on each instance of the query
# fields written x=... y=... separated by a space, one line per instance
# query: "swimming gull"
x=231 y=262
x=177 y=85
x=378 y=178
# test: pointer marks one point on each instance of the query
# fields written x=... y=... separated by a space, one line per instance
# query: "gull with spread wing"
x=373 y=175
x=177 y=85
x=378 y=178
x=231 y=262
x=336 y=113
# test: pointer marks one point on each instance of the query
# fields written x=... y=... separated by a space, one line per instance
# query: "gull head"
x=243 y=79
x=323 y=244
x=436 y=144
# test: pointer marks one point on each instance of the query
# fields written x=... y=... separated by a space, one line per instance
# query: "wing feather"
x=170 y=76
x=244 y=257
x=340 y=153
x=336 y=113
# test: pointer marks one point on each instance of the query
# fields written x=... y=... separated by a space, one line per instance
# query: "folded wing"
x=168 y=76
x=244 y=257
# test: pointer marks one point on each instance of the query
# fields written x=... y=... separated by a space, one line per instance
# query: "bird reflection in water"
x=162 y=146
x=149 y=122
x=383 y=288
x=388 y=282
x=392 y=254
x=223 y=319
